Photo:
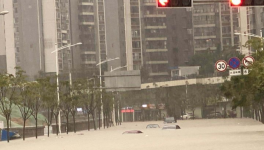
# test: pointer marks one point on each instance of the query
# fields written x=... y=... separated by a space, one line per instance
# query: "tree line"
x=176 y=99
x=38 y=96
x=247 y=91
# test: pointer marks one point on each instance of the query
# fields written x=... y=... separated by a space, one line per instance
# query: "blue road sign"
x=234 y=63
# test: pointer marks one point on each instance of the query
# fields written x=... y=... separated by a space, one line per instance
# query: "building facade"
x=21 y=37
x=146 y=36
x=215 y=25
x=56 y=33
x=88 y=26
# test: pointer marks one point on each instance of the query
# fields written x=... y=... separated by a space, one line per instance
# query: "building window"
x=101 y=18
x=17 y=59
x=137 y=56
x=136 y=44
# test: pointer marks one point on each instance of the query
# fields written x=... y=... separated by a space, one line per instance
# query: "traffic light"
x=250 y=3
x=174 y=3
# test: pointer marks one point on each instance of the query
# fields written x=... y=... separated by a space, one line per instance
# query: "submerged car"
x=187 y=116
x=153 y=126
x=133 y=132
x=169 y=120
x=171 y=127
x=214 y=115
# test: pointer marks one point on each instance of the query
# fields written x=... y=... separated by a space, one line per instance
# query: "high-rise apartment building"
x=180 y=36
x=21 y=36
x=155 y=39
x=146 y=36
x=88 y=26
x=31 y=31
x=56 y=33
x=214 y=25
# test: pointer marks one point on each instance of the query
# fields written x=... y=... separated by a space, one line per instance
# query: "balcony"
x=83 y=3
x=207 y=14
x=204 y=48
x=155 y=26
x=88 y=62
x=134 y=15
x=155 y=35
x=64 y=41
x=156 y=50
x=136 y=59
x=205 y=37
x=86 y=23
x=156 y=39
x=149 y=4
x=89 y=52
x=154 y=15
x=64 y=31
x=201 y=23
x=134 y=3
x=157 y=62
x=87 y=13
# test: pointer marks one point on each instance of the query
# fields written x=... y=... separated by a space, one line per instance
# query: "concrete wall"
x=79 y=126
x=75 y=33
x=50 y=34
x=213 y=80
x=8 y=37
x=112 y=33
x=2 y=30
x=189 y=70
x=128 y=34
x=30 y=39
x=243 y=19
x=2 y=63
x=2 y=40
x=117 y=80
x=29 y=132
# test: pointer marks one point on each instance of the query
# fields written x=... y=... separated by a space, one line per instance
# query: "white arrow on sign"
x=221 y=65
x=163 y=2
x=248 y=60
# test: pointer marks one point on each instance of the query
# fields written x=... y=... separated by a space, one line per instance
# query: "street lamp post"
x=57 y=74
x=252 y=35
x=100 y=68
x=4 y=12
x=117 y=68
x=112 y=91
x=249 y=34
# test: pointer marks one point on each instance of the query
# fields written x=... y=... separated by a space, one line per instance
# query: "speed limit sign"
x=221 y=65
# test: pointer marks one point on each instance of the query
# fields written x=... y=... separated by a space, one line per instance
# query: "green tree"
x=65 y=101
x=108 y=107
x=83 y=90
x=25 y=101
x=247 y=90
x=49 y=98
x=8 y=93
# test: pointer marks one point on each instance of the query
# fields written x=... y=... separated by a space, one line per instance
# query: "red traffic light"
x=246 y=3
x=174 y=3
x=163 y=3
x=235 y=2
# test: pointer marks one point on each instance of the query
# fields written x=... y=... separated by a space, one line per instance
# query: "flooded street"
x=211 y=134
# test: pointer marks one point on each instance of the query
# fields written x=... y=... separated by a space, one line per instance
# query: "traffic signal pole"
x=209 y=1
x=233 y=3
